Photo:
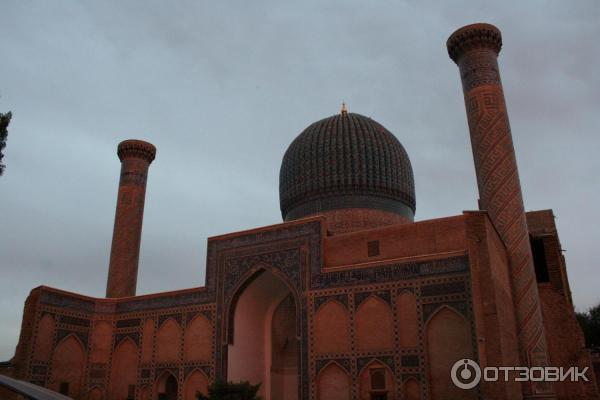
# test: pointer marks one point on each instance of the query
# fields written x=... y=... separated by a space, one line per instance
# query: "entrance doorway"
x=166 y=387
x=263 y=345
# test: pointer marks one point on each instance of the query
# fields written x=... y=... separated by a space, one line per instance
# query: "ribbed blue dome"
x=345 y=161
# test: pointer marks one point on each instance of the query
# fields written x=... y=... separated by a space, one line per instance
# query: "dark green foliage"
x=590 y=325
x=221 y=390
x=4 y=121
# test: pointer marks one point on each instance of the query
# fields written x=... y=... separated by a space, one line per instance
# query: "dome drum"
x=329 y=203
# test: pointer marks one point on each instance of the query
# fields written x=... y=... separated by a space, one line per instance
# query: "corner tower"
x=135 y=156
x=350 y=169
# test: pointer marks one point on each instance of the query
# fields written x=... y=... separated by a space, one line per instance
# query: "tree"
x=4 y=121
x=590 y=325
x=221 y=390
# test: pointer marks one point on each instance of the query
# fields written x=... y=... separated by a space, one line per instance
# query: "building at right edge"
x=348 y=297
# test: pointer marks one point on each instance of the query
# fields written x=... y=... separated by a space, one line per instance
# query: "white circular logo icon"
x=465 y=374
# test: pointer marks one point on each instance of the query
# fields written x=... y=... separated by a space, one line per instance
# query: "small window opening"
x=373 y=248
x=64 y=388
x=539 y=259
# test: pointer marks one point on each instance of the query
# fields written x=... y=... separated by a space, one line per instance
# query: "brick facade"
x=439 y=290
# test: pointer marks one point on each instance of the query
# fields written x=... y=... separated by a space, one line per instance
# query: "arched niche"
x=253 y=319
x=374 y=325
x=95 y=393
x=68 y=364
x=196 y=382
x=168 y=341
x=412 y=389
x=332 y=328
x=123 y=372
x=376 y=380
x=333 y=383
x=198 y=339
x=144 y=393
x=166 y=386
x=448 y=340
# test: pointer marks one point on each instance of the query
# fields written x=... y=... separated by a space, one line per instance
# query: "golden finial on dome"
x=344 y=110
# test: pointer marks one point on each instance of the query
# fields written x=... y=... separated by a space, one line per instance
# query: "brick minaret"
x=475 y=48
x=135 y=156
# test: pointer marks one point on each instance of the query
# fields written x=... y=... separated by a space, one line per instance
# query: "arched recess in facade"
x=331 y=328
x=196 y=382
x=374 y=325
x=263 y=334
x=123 y=376
x=333 y=383
x=376 y=380
x=448 y=339
x=411 y=389
x=198 y=339
x=168 y=340
x=68 y=364
x=145 y=393
x=166 y=386
x=95 y=393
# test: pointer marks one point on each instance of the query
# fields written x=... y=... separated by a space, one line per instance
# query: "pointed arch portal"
x=167 y=387
x=264 y=347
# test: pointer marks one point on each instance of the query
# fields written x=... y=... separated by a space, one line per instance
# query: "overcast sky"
x=222 y=88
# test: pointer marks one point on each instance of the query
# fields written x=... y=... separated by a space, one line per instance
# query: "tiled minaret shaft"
x=475 y=48
x=135 y=156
